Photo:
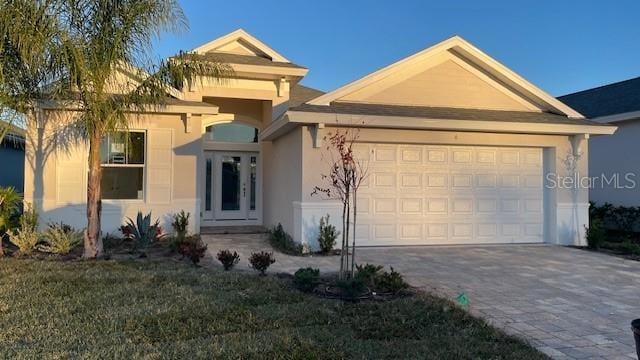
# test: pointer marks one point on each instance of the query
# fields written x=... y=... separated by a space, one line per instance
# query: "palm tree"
x=87 y=42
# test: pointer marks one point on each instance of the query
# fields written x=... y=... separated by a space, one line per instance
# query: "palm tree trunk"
x=92 y=240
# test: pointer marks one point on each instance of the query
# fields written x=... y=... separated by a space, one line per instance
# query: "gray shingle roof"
x=178 y=102
x=441 y=113
x=249 y=60
x=300 y=94
x=616 y=98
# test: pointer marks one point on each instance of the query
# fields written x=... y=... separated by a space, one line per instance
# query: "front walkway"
x=569 y=303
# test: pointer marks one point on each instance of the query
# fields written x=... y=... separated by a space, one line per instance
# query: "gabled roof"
x=138 y=75
x=244 y=38
x=299 y=94
x=604 y=101
x=424 y=112
x=248 y=55
x=250 y=60
x=491 y=70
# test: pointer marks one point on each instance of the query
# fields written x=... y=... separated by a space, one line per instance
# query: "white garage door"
x=430 y=194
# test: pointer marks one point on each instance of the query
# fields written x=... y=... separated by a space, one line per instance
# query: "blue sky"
x=561 y=46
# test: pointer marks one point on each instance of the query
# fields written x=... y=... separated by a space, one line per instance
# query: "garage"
x=457 y=147
x=445 y=195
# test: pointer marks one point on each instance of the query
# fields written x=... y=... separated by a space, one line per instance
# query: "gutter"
x=292 y=119
x=158 y=109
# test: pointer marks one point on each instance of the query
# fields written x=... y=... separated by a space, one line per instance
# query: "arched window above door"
x=232 y=132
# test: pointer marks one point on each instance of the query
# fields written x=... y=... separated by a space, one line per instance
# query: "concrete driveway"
x=569 y=303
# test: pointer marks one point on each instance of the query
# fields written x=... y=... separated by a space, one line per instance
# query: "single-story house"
x=613 y=166
x=12 y=157
x=458 y=149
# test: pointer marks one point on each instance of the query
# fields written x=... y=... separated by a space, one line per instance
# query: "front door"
x=231 y=186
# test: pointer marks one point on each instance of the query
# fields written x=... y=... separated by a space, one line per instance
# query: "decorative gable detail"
x=240 y=42
x=454 y=74
x=443 y=82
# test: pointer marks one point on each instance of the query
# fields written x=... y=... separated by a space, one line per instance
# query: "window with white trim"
x=123 y=160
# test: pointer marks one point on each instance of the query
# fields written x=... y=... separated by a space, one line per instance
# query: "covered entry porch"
x=231 y=175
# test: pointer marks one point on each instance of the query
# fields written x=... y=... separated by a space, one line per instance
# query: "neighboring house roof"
x=607 y=101
x=14 y=138
x=300 y=94
x=440 y=113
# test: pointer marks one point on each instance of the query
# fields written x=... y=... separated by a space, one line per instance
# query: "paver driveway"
x=569 y=303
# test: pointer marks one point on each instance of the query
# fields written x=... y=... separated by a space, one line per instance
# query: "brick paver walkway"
x=569 y=303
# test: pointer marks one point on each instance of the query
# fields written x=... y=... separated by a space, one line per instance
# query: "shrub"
x=9 y=209
x=261 y=261
x=621 y=218
x=367 y=273
x=25 y=239
x=351 y=288
x=142 y=231
x=328 y=235
x=629 y=247
x=283 y=242
x=112 y=243
x=306 y=279
x=9 y=212
x=596 y=235
x=29 y=218
x=125 y=231
x=390 y=282
x=60 y=239
x=193 y=249
x=382 y=281
x=180 y=224
x=228 y=259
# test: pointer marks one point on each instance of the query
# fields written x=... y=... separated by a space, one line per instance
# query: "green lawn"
x=164 y=309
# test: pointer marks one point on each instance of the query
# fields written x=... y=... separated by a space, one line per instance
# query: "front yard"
x=167 y=309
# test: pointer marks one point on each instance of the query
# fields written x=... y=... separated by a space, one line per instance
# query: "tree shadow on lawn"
x=167 y=309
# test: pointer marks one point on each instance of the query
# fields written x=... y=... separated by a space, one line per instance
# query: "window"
x=123 y=156
x=231 y=132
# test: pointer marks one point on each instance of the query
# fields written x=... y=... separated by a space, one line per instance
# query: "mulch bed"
x=114 y=249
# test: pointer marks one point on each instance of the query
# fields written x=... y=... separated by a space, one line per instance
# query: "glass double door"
x=231 y=186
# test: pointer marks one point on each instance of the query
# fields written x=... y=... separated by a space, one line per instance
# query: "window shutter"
x=159 y=166
x=71 y=173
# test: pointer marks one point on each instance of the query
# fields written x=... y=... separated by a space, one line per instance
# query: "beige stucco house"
x=613 y=166
x=459 y=150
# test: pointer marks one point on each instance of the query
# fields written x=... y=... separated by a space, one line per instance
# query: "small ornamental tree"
x=346 y=175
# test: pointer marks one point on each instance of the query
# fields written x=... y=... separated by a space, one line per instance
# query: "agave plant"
x=142 y=231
